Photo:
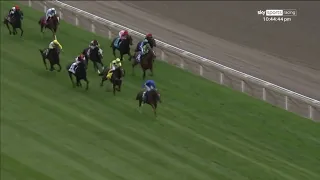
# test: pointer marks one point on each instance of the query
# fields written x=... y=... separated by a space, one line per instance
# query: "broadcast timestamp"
x=276 y=19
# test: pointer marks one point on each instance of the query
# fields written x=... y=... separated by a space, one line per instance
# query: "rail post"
x=77 y=20
x=201 y=70
x=30 y=3
x=221 y=77
x=60 y=13
x=264 y=94
x=93 y=27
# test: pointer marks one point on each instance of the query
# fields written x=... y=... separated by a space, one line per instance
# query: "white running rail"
x=312 y=104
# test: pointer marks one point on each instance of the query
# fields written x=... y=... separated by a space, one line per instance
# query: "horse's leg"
x=7 y=24
x=70 y=75
x=59 y=65
x=151 y=70
x=51 y=65
x=21 y=30
x=114 y=88
x=154 y=109
x=121 y=56
x=87 y=81
x=43 y=59
x=130 y=56
x=114 y=51
x=144 y=74
x=134 y=63
x=102 y=80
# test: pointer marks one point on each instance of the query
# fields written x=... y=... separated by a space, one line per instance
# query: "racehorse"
x=152 y=98
x=52 y=56
x=146 y=62
x=52 y=24
x=116 y=78
x=80 y=74
x=123 y=47
x=15 y=21
x=95 y=55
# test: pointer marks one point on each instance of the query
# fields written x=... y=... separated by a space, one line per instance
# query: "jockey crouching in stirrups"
x=53 y=44
x=113 y=66
x=147 y=86
x=50 y=13
x=13 y=10
x=94 y=44
x=74 y=65
x=143 y=49
x=123 y=35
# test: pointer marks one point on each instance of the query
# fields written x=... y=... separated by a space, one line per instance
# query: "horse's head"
x=130 y=39
x=55 y=19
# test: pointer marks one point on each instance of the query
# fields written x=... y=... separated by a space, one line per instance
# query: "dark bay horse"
x=15 y=21
x=80 y=73
x=52 y=24
x=146 y=62
x=95 y=55
x=152 y=98
x=123 y=47
x=116 y=78
x=53 y=56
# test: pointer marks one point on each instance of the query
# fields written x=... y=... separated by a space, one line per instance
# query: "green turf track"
x=204 y=131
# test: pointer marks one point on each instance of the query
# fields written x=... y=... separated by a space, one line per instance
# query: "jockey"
x=113 y=65
x=94 y=44
x=77 y=61
x=143 y=49
x=122 y=35
x=50 y=13
x=147 y=86
x=53 y=44
x=13 y=10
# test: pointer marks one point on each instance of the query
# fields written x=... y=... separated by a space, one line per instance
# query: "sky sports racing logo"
x=278 y=12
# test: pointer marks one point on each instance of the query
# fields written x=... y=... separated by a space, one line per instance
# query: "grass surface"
x=204 y=131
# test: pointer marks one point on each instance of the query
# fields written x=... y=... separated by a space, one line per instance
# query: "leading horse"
x=123 y=47
x=15 y=21
x=152 y=98
x=52 y=24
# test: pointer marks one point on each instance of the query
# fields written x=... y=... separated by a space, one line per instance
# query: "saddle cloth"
x=116 y=42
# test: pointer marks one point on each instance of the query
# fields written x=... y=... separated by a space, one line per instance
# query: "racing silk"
x=144 y=48
x=92 y=45
x=149 y=85
x=50 y=12
x=53 y=45
x=113 y=65
x=12 y=11
x=121 y=34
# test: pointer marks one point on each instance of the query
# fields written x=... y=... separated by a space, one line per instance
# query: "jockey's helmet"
x=81 y=56
x=125 y=33
x=114 y=62
x=17 y=7
x=149 y=35
x=13 y=8
x=118 y=60
x=55 y=41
